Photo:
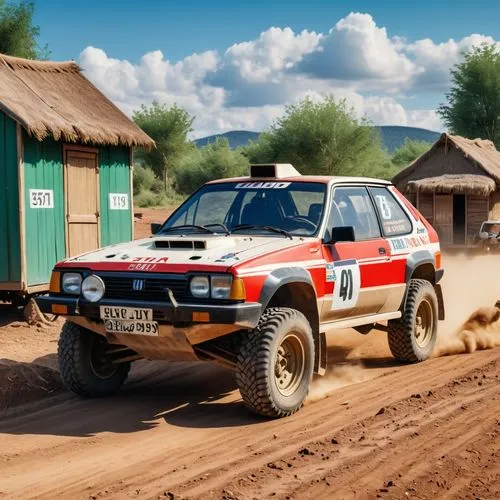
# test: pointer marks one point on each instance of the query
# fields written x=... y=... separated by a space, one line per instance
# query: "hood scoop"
x=181 y=244
x=192 y=244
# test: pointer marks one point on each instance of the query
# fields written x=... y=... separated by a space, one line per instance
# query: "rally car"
x=252 y=273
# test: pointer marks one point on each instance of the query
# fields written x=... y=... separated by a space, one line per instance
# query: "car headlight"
x=93 y=288
x=71 y=283
x=217 y=286
x=221 y=286
x=200 y=287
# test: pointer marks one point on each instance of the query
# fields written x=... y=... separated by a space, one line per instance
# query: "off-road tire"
x=256 y=365
x=401 y=332
x=77 y=372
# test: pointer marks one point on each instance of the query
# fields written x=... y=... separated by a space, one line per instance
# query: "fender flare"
x=287 y=275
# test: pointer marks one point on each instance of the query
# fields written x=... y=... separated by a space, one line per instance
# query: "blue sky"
x=389 y=59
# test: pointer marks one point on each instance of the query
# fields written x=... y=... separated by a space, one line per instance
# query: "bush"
x=144 y=179
x=214 y=161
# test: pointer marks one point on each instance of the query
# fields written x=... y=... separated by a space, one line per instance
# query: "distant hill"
x=392 y=136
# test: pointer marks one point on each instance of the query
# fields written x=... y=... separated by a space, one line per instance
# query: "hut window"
x=394 y=220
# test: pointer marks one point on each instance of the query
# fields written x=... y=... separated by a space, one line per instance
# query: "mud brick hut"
x=65 y=171
x=455 y=185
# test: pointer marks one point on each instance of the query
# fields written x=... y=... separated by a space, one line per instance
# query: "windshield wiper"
x=266 y=228
x=186 y=226
x=223 y=226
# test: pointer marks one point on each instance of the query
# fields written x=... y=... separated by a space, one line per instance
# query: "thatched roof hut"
x=55 y=99
x=455 y=185
x=65 y=170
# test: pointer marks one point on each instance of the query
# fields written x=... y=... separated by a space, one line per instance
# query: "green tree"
x=18 y=34
x=473 y=107
x=409 y=151
x=169 y=128
x=214 y=161
x=322 y=138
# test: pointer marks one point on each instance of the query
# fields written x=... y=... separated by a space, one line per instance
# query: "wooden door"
x=443 y=217
x=82 y=202
x=477 y=213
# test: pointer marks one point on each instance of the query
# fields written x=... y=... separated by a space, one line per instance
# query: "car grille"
x=153 y=289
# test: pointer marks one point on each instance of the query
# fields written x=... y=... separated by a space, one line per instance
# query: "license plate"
x=126 y=313
x=149 y=328
x=129 y=320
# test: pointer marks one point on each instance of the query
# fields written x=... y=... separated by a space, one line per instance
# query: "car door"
x=355 y=270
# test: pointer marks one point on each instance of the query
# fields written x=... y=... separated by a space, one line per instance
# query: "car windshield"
x=280 y=209
x=491 y=227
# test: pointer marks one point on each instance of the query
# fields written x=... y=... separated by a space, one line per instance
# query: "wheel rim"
x=290 y=364
x=100 y=360
x=424 y=323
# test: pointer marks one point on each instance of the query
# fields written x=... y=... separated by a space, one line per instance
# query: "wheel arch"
x=421 y=265
x=293 y=287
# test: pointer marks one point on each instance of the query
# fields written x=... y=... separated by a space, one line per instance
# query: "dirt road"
x=373 y=428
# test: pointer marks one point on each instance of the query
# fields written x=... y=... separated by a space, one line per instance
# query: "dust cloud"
x=471 y=288
x=335 y=378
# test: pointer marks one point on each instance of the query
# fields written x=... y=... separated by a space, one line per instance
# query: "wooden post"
x=22 y=222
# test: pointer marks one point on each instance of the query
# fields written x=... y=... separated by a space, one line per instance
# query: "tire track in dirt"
x=183 y=429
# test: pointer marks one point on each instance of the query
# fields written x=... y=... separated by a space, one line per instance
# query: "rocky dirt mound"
x=25 y=382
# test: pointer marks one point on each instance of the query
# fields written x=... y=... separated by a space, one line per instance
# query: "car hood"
x=181 y=253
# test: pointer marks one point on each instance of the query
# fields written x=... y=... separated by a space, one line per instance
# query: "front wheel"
x=275 y=364
x=413 y=336
x=86 y=367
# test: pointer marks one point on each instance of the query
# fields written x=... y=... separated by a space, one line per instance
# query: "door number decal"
x=347 y=284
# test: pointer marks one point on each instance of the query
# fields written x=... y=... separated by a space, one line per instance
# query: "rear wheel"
x=276 y=362
x=413 y=336
x=86 y=367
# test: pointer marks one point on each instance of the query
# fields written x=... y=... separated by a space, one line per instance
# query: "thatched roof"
x=55 y=99
x=478 y=185
x=480 y=152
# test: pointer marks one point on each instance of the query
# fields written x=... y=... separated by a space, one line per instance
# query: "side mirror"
x=341 y=234
x=155 y=227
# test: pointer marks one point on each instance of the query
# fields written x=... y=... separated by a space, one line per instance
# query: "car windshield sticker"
x=262 y=185
x=385 y=210
x=347 y=284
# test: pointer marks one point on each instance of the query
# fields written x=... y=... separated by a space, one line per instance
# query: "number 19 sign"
x=118 y=201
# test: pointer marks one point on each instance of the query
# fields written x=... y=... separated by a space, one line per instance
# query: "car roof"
x=322 y=179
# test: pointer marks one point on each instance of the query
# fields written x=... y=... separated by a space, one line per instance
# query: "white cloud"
x=355 y=49
x=249 y=85
x=436 y=60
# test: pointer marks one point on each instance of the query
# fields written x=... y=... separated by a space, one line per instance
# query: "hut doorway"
x=459 y=218
x=82 y=201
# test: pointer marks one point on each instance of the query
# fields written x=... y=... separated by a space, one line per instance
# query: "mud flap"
x=439 y=293
x=320 y=355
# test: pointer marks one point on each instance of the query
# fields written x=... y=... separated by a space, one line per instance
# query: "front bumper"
x=240 y=315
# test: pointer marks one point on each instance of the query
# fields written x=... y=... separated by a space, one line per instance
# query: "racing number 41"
x=347 y=285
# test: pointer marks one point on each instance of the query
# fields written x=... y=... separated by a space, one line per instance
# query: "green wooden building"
x=65 y=171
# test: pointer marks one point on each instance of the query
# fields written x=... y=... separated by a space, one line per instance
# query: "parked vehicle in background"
x=488 y=237
x=252 y=273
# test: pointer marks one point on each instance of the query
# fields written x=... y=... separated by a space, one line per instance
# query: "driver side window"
x=352 y=206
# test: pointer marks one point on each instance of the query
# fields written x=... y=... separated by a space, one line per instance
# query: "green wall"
x=10 y=251
x=114 y=177
x=45 y=227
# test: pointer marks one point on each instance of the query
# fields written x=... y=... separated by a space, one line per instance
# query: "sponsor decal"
x=330 y=273
x=146 y=263
x=407 y=242
x=347 y=284
x=262 y=185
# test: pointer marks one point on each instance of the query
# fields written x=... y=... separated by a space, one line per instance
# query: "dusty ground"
x=372 y=428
